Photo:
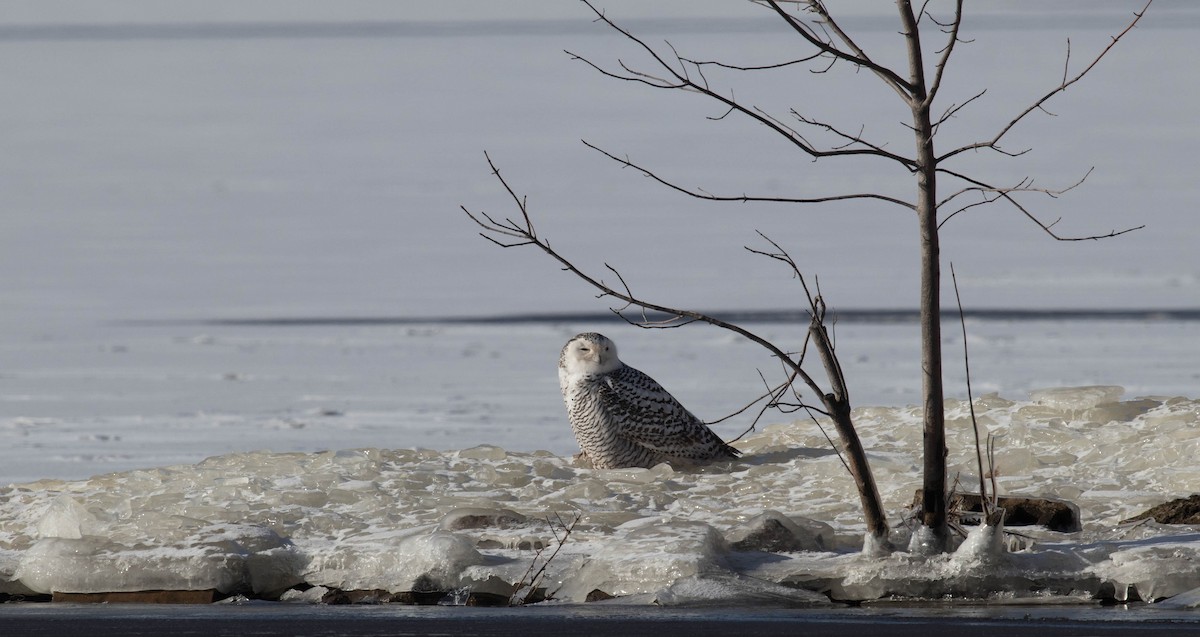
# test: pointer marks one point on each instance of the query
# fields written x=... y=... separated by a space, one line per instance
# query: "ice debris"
x=779 y=526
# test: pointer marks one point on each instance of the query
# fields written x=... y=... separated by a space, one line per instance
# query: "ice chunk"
x=1075 y=399
x=480 y=518
x=225 y=558
x=637 y=475
x=876 y=546
x=66 y=518
x=924 y=542
x=647 y=559
x=1152 y=567
x=9 y=583
x=775 y=532
x=731 y=589
x=1188 y=599
x=94 y=565
x=314 y=595
x=983 y=547
x=483 y=452
x=429 y=560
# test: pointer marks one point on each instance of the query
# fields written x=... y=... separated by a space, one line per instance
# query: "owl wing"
x=649 y=415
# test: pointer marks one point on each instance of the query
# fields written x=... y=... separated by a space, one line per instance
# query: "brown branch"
x=954 y=109
x=1007 y=195
x=1025 y=185
x=993 y=143
x=774 y=393
x=540 y=574
x=815 y=305
x=509 y=228
x=962 y=319
x=940 y=67
x=857 y=56
x=681 y=81
x=764 y=67
x=853 y=139
x=699 y=194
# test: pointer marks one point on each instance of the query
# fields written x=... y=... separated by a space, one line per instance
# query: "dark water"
x=1076 y=15
x=602 y=619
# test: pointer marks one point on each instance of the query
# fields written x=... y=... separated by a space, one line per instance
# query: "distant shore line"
x=384 y=28
x=858 y=316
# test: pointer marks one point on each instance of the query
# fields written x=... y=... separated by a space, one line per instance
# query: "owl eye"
x=584 y=349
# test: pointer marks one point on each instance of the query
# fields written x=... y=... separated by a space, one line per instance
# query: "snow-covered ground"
x=469 y=520
x=196 y=205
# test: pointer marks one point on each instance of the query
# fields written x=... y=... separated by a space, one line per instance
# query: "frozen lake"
x=123 y=396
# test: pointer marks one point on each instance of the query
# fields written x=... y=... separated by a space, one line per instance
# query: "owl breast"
x=625 y=419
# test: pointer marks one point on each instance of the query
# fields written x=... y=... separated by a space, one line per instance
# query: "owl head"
x=589 y=353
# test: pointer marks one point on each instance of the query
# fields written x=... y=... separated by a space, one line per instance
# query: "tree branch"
x=994 y=142
x=954 y=109
x=699 y=194
x=764 y=67
x=680 y=80
x=857 y=56
x=1007 y=195
x=509 y=228
x=1025 y=185
x=940 y=68
x=852 y=139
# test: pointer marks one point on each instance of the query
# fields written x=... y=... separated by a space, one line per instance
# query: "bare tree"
x=509 y=233
x=918 y=84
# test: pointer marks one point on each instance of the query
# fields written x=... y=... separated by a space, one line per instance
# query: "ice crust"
x=413 y=519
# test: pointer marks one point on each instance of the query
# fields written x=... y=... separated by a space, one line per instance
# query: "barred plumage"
x=623 y=418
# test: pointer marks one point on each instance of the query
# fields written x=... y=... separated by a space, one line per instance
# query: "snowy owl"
x=622 y=417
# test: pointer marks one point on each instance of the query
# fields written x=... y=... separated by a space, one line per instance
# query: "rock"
x=597 y=595
x=22 y=597
x=480 y=518
x=515 y=542
x=139 y=597
x=1052 y=513
x=775 y=532
x=338 y=597
x=1178 y=511
x=489 y=599
x=427 y=598
x=379 y=596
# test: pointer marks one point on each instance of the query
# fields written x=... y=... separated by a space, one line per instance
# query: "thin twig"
x=699 y=194
x=512 y=229
x=540 y=574
x=855 y=56
x=962 y=319
x=940 y=67
x=764 y=67
x=831 y=443
x=994 y=142
x=1007 y=195
x=679 y=80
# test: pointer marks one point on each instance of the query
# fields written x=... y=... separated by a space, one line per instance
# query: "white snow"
x=152 y=183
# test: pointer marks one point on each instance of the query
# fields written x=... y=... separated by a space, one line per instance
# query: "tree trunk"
x=934 y=505
x=837 y=403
